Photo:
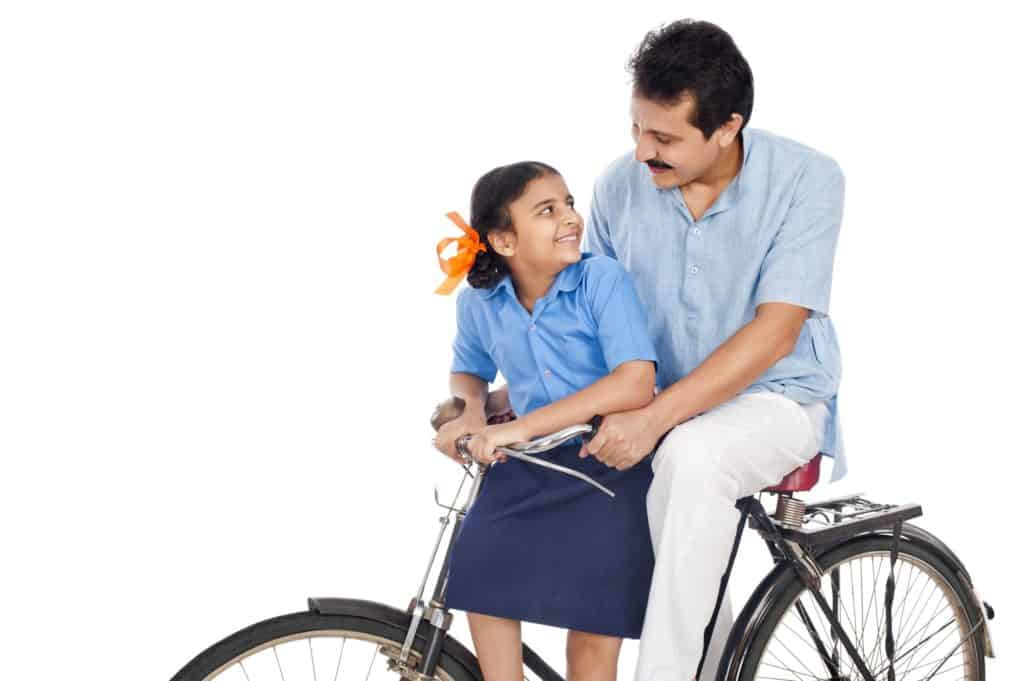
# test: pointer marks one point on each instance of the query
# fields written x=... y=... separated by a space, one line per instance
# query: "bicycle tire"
x=362 y=624
x=790 y=588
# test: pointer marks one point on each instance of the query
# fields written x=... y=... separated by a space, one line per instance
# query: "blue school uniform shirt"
x=770 y=236
x=589 y=322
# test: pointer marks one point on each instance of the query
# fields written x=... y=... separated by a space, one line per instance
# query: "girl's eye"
x=545 y=210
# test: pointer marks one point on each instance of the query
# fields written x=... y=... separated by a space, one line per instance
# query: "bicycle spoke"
x=312 y=663
x=278 y=663
x=372 y=660
x=790 y=669
x=340 y=653
x=926 y=617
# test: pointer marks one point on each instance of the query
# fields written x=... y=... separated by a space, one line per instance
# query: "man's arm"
x=734 y=366
x=794 y=283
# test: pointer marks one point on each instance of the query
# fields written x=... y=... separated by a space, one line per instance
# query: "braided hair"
x=489 y=212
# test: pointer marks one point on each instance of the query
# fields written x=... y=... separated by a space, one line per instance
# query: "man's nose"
x=644 y=151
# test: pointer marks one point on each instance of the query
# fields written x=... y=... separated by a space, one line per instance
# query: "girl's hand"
x=468 y=423
x=482 y=444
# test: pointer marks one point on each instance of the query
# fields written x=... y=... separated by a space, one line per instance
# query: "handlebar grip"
x=595 y=424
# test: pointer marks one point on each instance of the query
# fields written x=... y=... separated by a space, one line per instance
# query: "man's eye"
x=662 y=140
x=545 y=210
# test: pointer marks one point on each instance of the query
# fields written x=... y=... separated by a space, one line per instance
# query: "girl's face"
x=547 y=229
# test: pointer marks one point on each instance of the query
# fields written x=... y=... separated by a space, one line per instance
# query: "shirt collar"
x=566 y=280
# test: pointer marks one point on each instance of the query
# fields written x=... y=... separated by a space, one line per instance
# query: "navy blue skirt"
x=541 y=546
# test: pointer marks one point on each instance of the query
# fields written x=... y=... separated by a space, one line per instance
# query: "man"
x=729 y=234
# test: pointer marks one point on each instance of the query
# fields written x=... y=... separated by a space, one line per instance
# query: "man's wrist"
x=662 y=414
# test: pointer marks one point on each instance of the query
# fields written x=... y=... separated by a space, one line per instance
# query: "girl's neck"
x=531 y=286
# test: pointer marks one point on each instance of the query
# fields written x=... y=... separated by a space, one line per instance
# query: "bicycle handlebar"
x=523 y=450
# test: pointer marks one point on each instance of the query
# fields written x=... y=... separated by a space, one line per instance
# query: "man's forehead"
x=651 y=115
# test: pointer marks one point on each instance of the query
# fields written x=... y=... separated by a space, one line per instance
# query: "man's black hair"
x=699 y=59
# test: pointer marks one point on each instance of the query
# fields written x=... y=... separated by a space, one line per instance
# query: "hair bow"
x=457 y=266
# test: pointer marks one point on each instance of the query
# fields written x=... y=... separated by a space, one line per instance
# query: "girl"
x=568 y=333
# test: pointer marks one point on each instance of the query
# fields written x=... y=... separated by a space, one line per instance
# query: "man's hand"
x=623 y=439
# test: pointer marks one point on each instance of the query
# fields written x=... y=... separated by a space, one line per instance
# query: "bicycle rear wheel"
x=317 y=647
x=934 y=620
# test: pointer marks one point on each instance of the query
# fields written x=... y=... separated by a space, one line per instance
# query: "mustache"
x=658 y=164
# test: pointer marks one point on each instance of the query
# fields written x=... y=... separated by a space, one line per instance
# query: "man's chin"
x=665 y=180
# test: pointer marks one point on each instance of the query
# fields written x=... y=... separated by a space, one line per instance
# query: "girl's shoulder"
x=597 y=270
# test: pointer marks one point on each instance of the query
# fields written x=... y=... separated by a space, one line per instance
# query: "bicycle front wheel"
x=317 y=647
x=934 y=621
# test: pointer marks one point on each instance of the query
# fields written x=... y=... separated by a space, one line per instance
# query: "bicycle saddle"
x=800 y=480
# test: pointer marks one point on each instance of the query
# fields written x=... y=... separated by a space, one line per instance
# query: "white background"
x=219 y=344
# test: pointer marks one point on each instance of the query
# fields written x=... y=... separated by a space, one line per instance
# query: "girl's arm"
x=629 y=386
x=472 y=389
x=473 y=418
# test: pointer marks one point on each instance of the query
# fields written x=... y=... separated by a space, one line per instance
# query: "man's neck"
x=700 y=194
x=722 y=171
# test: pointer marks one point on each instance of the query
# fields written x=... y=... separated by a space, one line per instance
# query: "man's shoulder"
x=781 y=153
x=622 y=174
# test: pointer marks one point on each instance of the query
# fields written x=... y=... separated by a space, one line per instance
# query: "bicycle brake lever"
x=555 y=467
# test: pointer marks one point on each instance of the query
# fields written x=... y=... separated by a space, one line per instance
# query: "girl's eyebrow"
x=568 y=197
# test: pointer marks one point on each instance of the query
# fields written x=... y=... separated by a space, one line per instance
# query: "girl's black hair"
x=489 y=202
x=696 y=58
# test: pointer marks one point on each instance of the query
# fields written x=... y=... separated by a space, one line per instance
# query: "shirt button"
x=694 y=269
x=696 y=231
x=533 y=327
x=691 y=315
x=547 y=372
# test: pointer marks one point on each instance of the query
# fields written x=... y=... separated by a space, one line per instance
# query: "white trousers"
x=702 y=467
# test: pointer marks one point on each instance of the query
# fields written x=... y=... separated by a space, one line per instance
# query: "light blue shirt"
x=589 y=322
x=770 y=236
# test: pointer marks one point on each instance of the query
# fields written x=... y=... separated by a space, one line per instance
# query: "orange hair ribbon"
x=459 y=264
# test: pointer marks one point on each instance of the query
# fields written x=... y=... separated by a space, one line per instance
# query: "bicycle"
x=809 y=618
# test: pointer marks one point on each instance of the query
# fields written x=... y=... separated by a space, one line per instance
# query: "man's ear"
x=730 y=130
x=502 y=242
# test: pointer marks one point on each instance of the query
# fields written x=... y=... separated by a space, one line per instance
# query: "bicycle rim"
x=934 y=637
x=356 y=650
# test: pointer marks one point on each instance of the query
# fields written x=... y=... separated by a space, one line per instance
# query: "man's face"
x=674 y=150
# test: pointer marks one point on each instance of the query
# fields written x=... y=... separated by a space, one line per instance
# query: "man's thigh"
x=741 y=446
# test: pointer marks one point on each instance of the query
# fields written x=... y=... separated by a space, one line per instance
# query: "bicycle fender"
x=748 y=622
x=354 y=607
x=917 y=534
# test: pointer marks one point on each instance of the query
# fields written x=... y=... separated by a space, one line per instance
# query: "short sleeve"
x=798 y=266
x=470 y=357
x=620 y=317
x=596 y=237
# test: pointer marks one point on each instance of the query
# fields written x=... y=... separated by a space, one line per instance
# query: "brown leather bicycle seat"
x=800 y=480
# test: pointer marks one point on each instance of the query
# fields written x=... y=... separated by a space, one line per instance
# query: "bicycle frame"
x=793 y=546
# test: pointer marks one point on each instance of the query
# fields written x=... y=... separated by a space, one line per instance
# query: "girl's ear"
x=502 y=242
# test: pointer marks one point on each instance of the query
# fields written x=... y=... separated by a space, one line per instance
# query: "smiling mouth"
x=572 y=237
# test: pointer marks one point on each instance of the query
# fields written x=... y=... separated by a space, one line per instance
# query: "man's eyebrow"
x=546 y=201
x=660 y=132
